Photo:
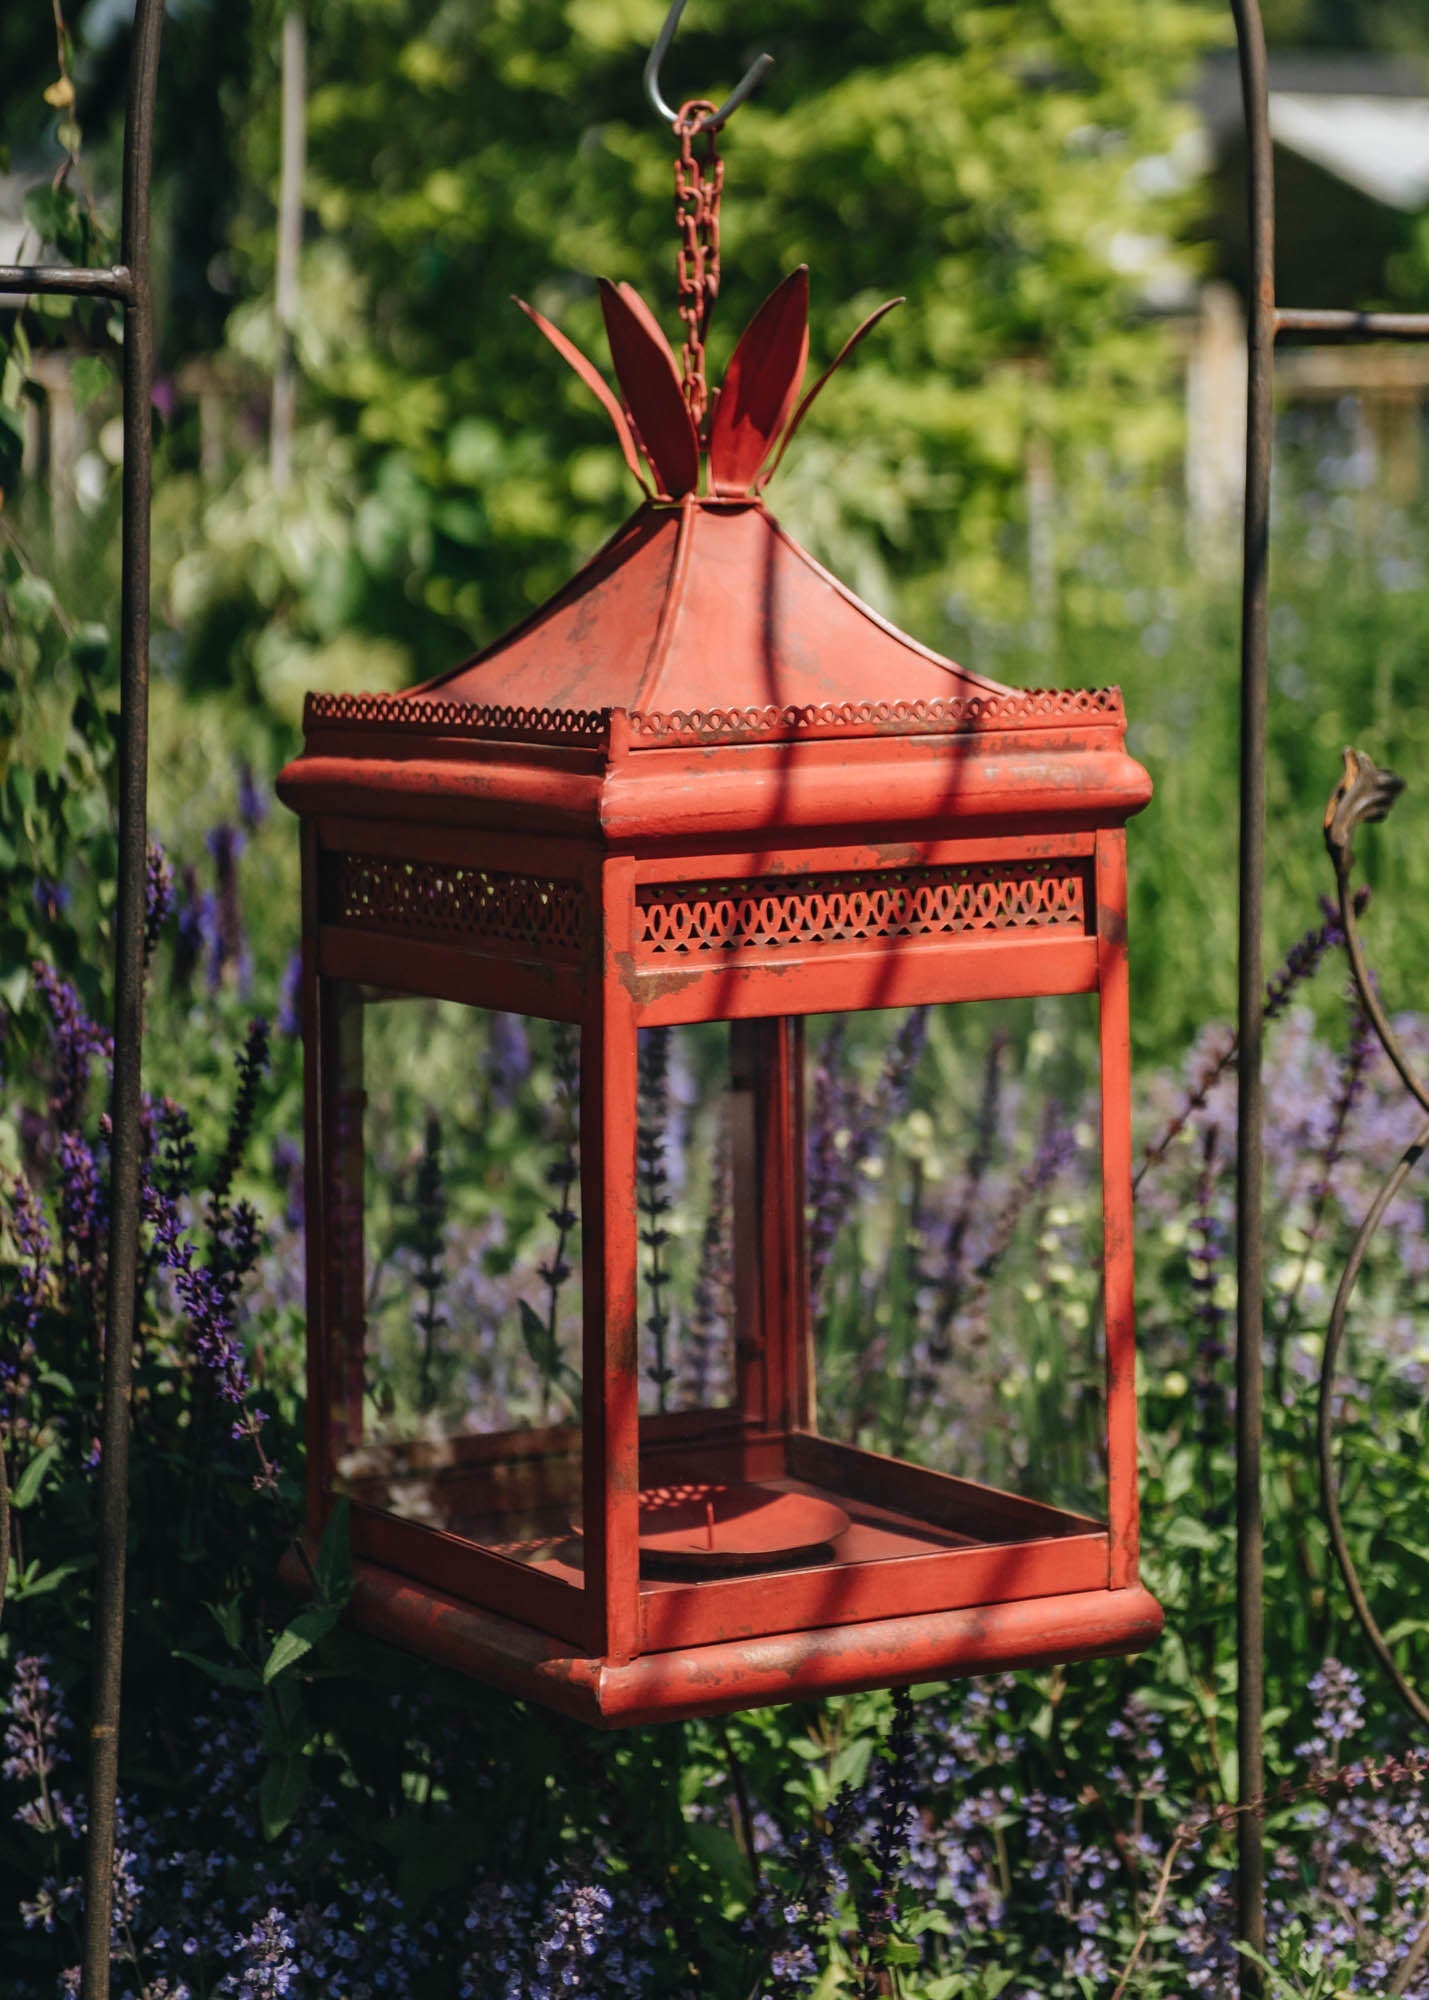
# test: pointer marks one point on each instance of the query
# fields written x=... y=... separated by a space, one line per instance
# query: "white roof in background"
x=1379 y=145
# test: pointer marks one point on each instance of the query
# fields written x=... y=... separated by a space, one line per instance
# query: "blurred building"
x=1351 y=142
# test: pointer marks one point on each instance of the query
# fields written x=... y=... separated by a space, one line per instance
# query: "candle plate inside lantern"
x=704 y=1528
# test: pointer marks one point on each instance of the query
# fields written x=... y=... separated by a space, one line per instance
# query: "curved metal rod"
x=1329 y=1490
x=1365 y=792
x=712 y=120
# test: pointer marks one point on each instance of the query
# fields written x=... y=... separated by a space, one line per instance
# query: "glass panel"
x=685 y=1280
x=953 y=1210
x=471 y=1375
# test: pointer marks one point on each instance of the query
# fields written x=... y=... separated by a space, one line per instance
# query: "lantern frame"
x=622 y=867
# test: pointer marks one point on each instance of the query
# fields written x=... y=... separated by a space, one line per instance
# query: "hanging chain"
x=699 y=178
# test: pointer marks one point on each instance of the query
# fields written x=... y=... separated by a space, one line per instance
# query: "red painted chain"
x=699 y=178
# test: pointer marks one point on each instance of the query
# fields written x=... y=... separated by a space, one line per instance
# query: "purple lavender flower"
x=707 y=1356
x=51 y=899
x=196 y=937
x=654 y=1197
x=252 y=1066
x=82 y=1206
x=229 y=960
x=35 y=1724
x=828 y=1180
x=159 y=896
x=74 y=1041
x=895 y=1813
x=252 y=804
x=268 y=1968
x=287 y=1166
x=24 y=1301
x=508 y=1058
x=290 y=1012
x=847 y=1128
x=1339 y=1711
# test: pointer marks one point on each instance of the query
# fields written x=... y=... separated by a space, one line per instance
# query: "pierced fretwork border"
x=774 y=913
x=433 y=899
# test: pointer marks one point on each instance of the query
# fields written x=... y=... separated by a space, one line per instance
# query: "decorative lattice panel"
x=773 y=914
x=539 y=915
x=1009 y=708
x=579 y=728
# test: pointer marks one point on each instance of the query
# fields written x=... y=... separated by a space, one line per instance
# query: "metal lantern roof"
x=703 y=628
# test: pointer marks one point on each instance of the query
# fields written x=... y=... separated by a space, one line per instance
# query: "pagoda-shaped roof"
x=700 y=606
x=703 y=632
x=701 y=621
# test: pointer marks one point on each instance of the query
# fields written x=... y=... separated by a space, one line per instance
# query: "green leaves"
x=541 y=1344
x=298 y=1638
x=26 y=1490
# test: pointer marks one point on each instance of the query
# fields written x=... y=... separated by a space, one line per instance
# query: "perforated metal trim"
x=1023 y=709
x=435 y=900
x=578 y=728
x=774 y=914
x=582 y=728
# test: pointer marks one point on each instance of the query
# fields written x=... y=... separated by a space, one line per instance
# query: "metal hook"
x=712 y=121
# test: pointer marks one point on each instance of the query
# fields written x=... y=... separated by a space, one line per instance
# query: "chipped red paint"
x=706 y=783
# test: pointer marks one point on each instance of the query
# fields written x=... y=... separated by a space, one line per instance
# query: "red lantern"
x=703 y=784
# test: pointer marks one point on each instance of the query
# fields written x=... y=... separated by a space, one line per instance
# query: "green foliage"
x=57 y=720
x=986 y=161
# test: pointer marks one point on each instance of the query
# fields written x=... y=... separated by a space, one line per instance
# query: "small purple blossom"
x=51 y=899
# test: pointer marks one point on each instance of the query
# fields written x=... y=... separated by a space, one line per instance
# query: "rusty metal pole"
x=129 y=283
x=108 y=1632
x=1250 y=1576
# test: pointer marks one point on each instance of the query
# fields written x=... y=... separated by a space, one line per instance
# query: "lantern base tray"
x=717 y=1678
x=780 y=1501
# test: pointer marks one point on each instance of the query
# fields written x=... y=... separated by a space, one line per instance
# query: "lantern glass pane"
x=685 y=1274
x=954 y=1231
x=470 y=1370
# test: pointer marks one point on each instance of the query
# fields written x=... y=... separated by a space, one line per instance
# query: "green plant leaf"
x=39 y=1583
x=27 y=1486
x=90 y=376
x=333 y=1567
x=217 y=1670
x=281 y=1791
x=299 y=1637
